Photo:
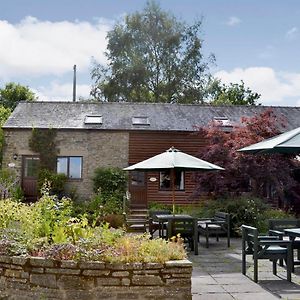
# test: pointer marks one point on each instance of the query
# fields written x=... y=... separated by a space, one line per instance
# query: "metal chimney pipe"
x=74 y=83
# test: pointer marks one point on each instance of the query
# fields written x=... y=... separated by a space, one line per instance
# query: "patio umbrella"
x=173 y=159
x=288 y=142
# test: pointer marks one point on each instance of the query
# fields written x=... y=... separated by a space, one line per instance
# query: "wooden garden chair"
x=265 y=247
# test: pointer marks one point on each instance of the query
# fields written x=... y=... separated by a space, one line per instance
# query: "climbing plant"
x=42 y=141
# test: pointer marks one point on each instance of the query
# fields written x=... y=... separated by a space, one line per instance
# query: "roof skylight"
x=93 y=120
x=141 y=120
x=223 y=121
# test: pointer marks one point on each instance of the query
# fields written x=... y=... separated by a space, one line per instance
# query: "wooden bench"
x=216 y=226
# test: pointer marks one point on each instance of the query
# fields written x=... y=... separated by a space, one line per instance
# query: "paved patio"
x=217 y=275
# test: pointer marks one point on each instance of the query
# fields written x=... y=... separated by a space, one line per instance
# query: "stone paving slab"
x=253 y=296
x=221 y=296
x=217 y=275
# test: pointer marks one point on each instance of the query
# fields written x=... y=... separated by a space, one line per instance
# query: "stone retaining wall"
x=39 y=278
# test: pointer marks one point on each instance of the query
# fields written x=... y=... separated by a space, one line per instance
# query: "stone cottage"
x=92 y=135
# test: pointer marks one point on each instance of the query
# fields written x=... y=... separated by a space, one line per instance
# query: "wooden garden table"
x=294 y=233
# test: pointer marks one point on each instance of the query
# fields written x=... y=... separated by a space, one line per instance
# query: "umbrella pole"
x=173 y=188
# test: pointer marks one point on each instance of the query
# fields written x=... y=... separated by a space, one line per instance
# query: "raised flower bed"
x=42 y=278
x=46 y=253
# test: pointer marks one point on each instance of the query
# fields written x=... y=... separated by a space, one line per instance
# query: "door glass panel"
x=137 y=178
x=31 y=168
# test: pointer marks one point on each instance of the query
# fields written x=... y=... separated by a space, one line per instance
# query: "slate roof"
x=118 y=116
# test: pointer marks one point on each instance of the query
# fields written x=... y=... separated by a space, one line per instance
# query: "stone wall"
x=97 y=148
x=38 y=278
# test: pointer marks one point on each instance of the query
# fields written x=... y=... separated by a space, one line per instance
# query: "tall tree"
x=232 y=94
x=4 y=114
x=246 y=172
x=153 y=57
x=13 y=93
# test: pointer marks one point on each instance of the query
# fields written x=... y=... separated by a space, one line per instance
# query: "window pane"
x=179 y=180
x=75 y=167
x=164 y=180
x=62 y=165
x=31 y=166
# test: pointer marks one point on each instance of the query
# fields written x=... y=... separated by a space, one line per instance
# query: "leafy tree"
x=153 y=57
x=4 y=114
x=232 y=94
x=13 y=93
x=246 y=172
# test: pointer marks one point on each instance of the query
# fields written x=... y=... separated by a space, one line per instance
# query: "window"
x=71 y=166
x=165 y=180
x=224 y=123
x=140 y=121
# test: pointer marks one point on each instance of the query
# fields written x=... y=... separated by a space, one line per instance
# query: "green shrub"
x=110 y=187
x=243 y=210
x=17 y=220
x=52 y=215
x=110 y=181
x=105 y=204
x=9 y=185
x=272 y=213
x=46 y=228
x=133 y=248
x=57 y=181
x=179 y=209
x=114 y=246
x=17 y=193
x=159 y=206
x=114 y=220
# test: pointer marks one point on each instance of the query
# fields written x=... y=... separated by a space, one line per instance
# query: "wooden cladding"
x=143 y=145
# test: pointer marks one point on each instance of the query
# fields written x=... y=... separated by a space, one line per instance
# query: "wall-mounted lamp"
x=15 y=156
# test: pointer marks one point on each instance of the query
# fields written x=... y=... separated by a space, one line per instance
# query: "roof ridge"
x=155 y=104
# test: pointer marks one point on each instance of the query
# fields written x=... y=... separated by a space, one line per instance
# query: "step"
x=137 y=228
x=138 y=211
x=136 y=221
x=137 y=216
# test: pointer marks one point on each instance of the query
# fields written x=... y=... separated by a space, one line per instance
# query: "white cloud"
x=233 y=21
x=61 y=92
x=35 y=48
x=292 y=33
x=278 y=88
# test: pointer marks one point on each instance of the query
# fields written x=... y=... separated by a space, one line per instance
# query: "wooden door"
x=138 y=189
x=30 y=169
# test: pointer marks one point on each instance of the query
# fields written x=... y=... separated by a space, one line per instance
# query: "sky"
x=257 y=41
